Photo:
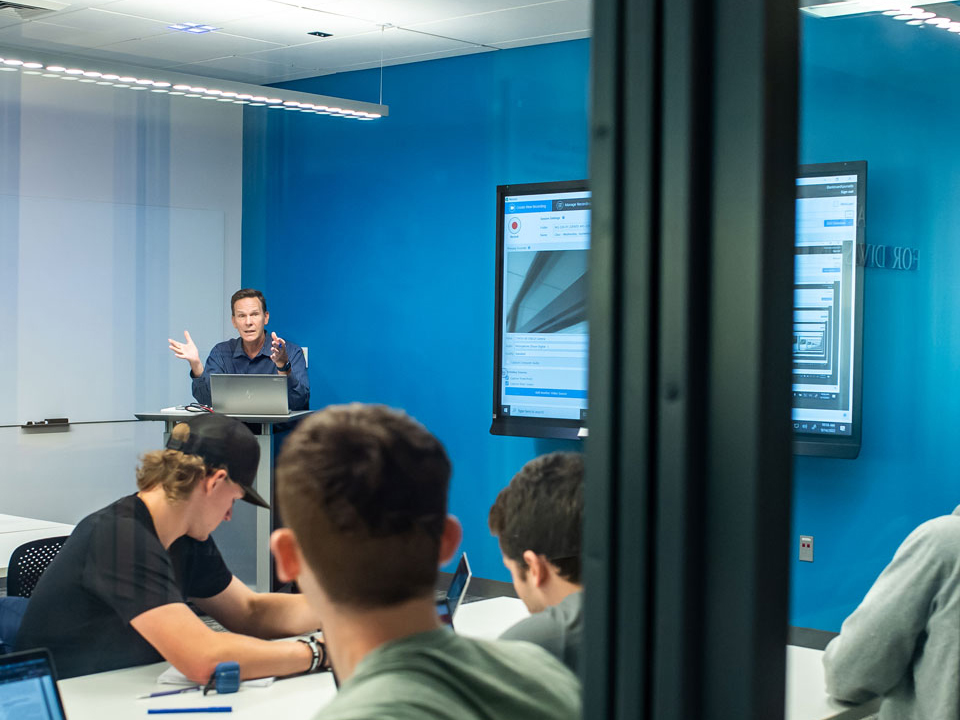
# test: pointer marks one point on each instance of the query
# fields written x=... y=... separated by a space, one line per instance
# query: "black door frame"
x=693 y=160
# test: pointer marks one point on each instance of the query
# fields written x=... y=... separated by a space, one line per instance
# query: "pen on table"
x=162 y=693
x=171 y=711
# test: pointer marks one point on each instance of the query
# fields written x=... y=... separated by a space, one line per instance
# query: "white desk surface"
x=16 y=530
x=112 y=695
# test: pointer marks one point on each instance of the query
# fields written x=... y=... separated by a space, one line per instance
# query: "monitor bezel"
x=844 y=446
x=559 y=428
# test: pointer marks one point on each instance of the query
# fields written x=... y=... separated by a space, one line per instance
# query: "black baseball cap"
x=224 y=442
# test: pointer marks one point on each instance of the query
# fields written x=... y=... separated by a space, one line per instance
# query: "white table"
x=112 y=695
x=16 y=530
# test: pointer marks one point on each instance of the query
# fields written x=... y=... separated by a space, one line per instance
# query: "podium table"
x=263 y=483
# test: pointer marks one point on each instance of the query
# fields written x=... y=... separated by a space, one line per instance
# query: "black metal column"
x=688 y=489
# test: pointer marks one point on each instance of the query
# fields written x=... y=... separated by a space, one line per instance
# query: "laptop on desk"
x=28 y=687
x=450 y=601
x=249 y=394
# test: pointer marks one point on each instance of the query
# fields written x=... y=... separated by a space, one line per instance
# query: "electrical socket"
x=806 y=548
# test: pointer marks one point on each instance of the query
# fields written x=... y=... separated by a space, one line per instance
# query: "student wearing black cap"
x=115 y=596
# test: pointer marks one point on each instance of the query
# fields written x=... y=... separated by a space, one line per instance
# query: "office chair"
x=28 y=562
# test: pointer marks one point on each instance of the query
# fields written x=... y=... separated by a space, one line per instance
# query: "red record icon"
x=513 y=225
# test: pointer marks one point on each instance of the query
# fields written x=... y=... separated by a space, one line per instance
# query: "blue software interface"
x=27 y=691
x=828 y=212
x=544 y=324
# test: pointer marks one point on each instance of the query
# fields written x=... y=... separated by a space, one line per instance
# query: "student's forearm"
x=257 y=658
x=276 y=615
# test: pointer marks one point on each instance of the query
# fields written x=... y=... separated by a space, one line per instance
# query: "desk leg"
x=264 y=486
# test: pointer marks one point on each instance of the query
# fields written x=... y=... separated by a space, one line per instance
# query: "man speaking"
x=249 y=354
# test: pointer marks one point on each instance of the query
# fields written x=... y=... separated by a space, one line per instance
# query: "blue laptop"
x=28 y=686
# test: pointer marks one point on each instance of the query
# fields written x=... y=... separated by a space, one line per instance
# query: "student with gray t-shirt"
x=538 y=519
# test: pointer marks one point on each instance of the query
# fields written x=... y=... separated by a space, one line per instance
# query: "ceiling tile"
x=210 y=12
x=502 y=26
x=438 y=55
x=245 y=69
x=289 y=26
x=543 y=39
x=396 y=43
x=183 y=47
x=406 y=13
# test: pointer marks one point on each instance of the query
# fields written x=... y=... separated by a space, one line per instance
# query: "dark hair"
x=248 y=293
x=542 y=510
x=364 y=488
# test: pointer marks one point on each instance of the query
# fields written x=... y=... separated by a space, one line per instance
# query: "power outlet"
x=806 y=548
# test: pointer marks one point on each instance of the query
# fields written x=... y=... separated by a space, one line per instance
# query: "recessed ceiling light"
x=13 y=62
x=33 y=65
x=56 y=68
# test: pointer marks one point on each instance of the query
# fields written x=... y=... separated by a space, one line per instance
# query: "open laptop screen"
x=28 y=689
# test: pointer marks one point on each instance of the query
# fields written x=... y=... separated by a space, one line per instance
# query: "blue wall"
x=875 y=89
x=374 y=241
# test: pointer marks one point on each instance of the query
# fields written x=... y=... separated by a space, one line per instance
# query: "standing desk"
x=16 y=530
x=263 y=483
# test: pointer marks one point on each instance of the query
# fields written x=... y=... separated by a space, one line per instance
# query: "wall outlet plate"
x=806 y=548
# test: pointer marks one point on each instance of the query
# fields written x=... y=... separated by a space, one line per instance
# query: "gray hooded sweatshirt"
x=903 y=641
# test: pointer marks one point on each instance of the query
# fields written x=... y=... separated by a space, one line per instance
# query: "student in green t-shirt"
x=363 y=489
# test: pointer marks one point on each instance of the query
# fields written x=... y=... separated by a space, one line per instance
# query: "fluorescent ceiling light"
x=185 y=86
x=859 y=7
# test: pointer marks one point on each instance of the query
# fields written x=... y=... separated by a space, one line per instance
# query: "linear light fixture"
x=859 y=7
x=102 y=73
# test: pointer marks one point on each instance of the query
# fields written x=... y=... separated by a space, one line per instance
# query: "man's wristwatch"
x=319 y=651
x=285 y=368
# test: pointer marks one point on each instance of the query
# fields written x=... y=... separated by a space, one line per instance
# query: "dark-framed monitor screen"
x=540 y=334
x=828 y=309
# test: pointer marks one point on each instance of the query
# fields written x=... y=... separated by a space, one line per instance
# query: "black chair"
x=28 y=562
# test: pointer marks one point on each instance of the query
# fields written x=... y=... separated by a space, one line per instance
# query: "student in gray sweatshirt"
x=903 y=641
x=538 y=519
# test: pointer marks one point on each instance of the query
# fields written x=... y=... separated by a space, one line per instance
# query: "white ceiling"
x=266 y=41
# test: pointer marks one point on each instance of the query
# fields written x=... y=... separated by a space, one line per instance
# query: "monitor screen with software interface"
x=540 y=337
x=828 y=309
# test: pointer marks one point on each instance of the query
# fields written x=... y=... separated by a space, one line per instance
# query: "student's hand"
x=187 y=351
x=278 y=350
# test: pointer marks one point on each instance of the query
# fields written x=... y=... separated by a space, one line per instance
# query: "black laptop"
x=28 y=686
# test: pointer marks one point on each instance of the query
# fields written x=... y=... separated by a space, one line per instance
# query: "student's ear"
x=537 y=568
x=450 y=540
x=286 y=553
x=266 y=318
x=211 y=481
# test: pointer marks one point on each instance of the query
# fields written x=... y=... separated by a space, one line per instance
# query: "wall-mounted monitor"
x=828 y=309
x=540 y=335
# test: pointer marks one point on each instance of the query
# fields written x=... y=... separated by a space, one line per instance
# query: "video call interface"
x=823 y=308
x=544 y=323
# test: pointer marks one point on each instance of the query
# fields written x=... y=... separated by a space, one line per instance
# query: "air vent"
x=29 y=11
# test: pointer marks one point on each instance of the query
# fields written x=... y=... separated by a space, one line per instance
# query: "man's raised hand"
x=187 y=351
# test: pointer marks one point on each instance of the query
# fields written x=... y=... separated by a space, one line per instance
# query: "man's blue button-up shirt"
x=229 y=357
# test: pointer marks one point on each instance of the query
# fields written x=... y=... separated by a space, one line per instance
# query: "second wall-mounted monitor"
x=540 y=336
x=828 y=309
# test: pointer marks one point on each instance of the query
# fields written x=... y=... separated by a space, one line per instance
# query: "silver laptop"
x=452 y=599
x=249 y=394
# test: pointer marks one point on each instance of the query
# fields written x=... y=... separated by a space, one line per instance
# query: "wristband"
x=285 y=368
x=319 y=652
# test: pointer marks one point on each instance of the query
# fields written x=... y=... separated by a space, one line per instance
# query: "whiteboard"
x=91 y=292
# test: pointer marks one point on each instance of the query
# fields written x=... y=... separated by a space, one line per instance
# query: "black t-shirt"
x=112 y=569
